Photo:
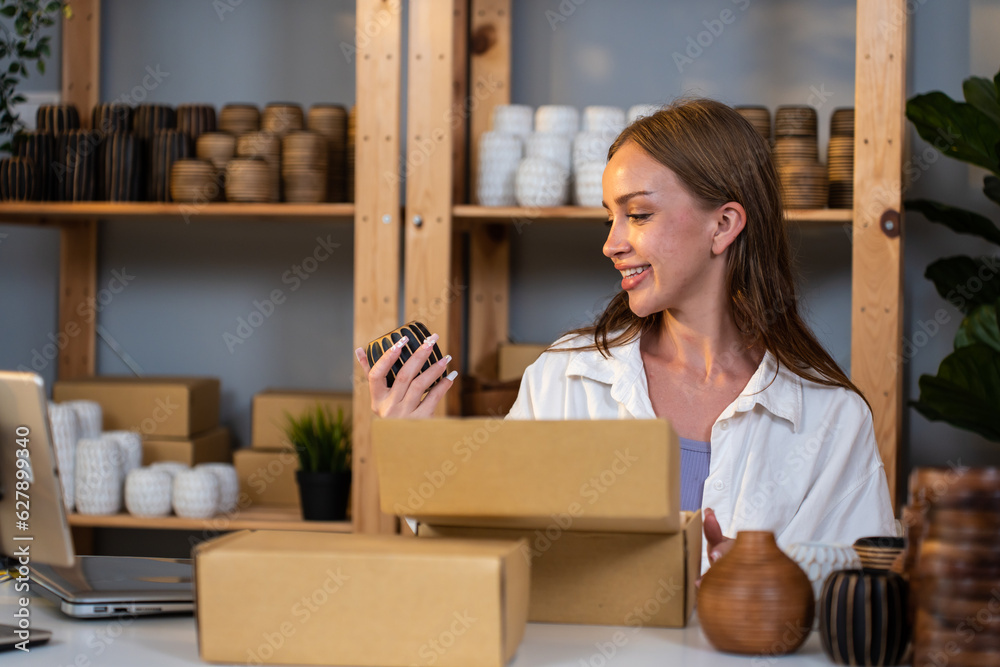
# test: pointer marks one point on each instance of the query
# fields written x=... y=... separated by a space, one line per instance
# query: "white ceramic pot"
x=818 y=560
x=540 y=182
x=499 y=156
x=91 y=417
x=65 y=427
x=130 y=448
x=590 y=147
x=606 y=120
x=557 y=118
x=170 y=467
x=517 y=119
x=98 y=476
x=550 y=146
x=196 y=494
x=637 y=111
x=229 y=483
x=148 y=492
x=587 y=187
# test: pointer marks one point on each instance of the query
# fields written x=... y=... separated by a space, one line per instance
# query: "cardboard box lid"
x=190 y=382
x=392 y=595
x=604 y=475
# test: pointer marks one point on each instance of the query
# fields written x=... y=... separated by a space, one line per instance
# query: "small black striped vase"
x=195 y=120
x=122 y=165
x=17 y=179
x=57 y=118
x=166 y=147
x=76 y=170
x=863 y=617
x=40 y=148
x=416 y=332
x=147 y=119
x=111 y=117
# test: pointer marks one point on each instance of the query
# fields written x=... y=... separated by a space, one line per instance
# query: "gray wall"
x=193 y=282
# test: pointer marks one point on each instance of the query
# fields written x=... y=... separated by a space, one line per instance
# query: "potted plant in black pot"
x=323 y=445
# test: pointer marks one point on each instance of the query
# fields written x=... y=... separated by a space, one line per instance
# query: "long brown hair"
x=720 y=158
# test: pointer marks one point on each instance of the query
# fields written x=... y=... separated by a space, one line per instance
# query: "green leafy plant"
x=966 y=390
x=322 y=442
x=21 y=44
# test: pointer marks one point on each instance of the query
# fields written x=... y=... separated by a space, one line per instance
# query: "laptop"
x=34 y=527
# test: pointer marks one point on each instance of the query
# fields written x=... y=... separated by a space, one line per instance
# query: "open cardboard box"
x=304 y=598
x=598 y=503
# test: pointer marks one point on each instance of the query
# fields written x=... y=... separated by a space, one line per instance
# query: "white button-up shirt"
x=789 y=456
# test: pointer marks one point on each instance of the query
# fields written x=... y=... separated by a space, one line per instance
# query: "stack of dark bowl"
x=840 y=159
x=796 y=154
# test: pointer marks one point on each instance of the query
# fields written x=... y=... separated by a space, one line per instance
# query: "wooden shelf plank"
x=182 y=212
x=523 y=215
x=250 y=518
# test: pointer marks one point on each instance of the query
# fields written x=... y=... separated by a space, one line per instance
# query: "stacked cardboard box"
x=596 y=503
x=267 y=468
x=178 y=417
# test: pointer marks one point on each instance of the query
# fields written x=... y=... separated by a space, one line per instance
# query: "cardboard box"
x=268 y=476
x=209 y=447
x=172 y=407
x=615 y=475
x=513 y=358
x=275 y=597
x=269 y=409
x=600 y=578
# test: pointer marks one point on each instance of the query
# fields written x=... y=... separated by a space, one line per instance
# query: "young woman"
x=706 y=334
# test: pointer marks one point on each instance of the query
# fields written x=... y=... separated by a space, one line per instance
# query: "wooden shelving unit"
x=46 y=212
x=251 y=518
x=445 y=60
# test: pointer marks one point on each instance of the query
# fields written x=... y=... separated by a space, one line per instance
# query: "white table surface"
x=155 y=641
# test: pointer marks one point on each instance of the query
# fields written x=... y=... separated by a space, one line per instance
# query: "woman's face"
x=661 y=238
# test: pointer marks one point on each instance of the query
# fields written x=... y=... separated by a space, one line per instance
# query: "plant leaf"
x=991 y=187
x=982 y=94
x=979 y=326
x=957 y=219
x=965 y=392
x=966 y=282
x=957 y=129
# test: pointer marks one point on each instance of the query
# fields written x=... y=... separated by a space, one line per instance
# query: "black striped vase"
x=196 y=119
x=17 y=179
x=863 y=617
x=111 y=117
x=76 y=171
x=166 y=147
x=148 y=119
x=40 y=148
x=122 y=167
x=57 y=118
x=416 y=333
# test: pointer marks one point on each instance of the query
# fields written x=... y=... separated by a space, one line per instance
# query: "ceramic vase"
x=415 y=333
x=557 y=118
x=18 y=179
x=98 y=476
x=605 y=120
x=76 y=171
x=65 y=433
x=879 y=553
x=818 y=560
x=40 y=148
x=129 y=450
x=237 y=119
x=550 y=146
x=862 y=618
x=195 y=120
x=90 y=415
x=755 y=600
x=229 y=484
x=172 y=468
x=165 y=148
x=148 y=119
x=590 y=147
x=540 y=182
x=57 y=118
x=148 y=492
x=499 y=155
x=587 y=186
x=119 y=169
x=195 y=494
x=516 y=119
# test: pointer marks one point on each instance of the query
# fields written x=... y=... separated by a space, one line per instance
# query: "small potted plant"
x=323 y=445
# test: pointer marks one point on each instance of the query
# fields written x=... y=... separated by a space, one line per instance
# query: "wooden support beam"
x=877 y=292
x=377 y=223
x=489 y=248
x=81 y=57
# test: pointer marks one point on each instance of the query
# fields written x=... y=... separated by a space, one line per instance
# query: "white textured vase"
x=590 y=147
x=541 y=182
x=516 y=119
x=587 y=184
x=98 y=476
x=196 y=494
x=499 y=155
x=557 y=118
x=130 y=448
x=637 y=111
x=148 y=492
x=65 y=427
x=818 y=560
x=229 y=483
x=90 y=415
x=170 y=467
x=606 y=120
x=550 y=146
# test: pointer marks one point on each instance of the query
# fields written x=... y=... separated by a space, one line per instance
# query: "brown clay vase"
x=755 y=599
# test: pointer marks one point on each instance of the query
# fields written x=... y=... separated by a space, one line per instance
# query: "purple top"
x=696 y=458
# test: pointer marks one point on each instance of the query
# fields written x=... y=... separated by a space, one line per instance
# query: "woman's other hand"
x=406 y=398
x=718 y=544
